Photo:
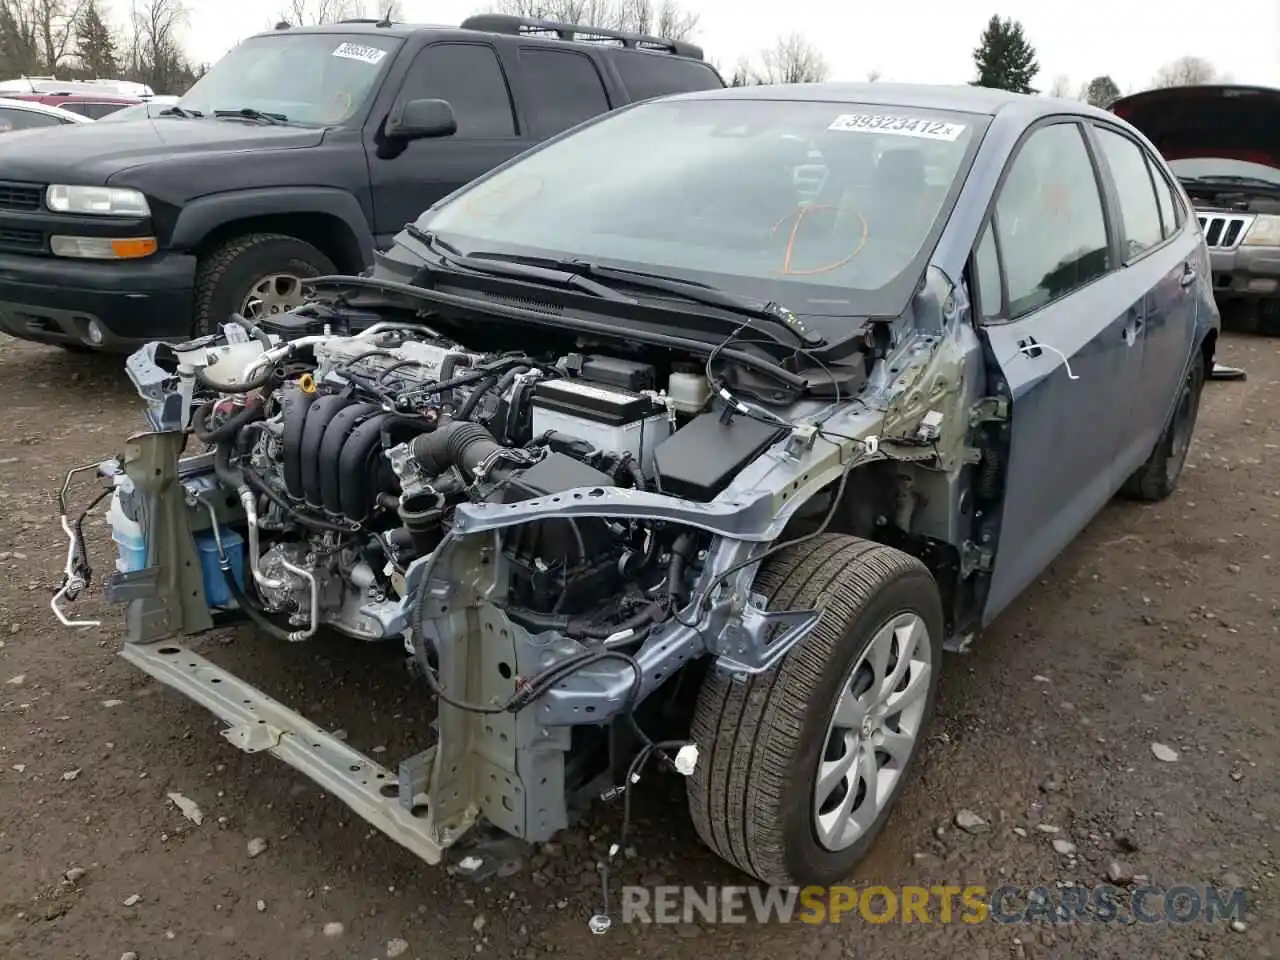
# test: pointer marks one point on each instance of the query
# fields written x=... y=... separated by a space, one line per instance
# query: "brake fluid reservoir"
x=688 y=391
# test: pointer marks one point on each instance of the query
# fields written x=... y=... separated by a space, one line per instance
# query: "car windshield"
x=139 y=111
x=314 y=79
x=825 y=208
x=1211 y=167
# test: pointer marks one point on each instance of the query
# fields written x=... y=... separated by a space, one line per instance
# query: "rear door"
x=1058 y=319
x=558 y=89
x=407 y=178
x=1159 y=260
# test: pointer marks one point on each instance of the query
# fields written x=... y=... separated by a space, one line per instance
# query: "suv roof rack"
x=510 y=24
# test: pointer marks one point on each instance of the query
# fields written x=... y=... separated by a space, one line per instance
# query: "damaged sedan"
x=688 y=441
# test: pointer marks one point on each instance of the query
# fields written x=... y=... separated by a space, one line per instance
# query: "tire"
x=1158 y=477
x=226 y=277
x=752 y=794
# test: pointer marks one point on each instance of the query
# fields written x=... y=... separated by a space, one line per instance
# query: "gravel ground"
x=1160 y=625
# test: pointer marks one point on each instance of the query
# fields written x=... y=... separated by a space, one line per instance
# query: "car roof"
x=32 y=106
x=72 y=98
x=919 y=96
x=499 y=24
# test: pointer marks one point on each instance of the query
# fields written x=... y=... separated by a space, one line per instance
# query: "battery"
x=610 y=419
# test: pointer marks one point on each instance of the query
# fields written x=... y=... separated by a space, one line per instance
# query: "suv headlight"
x=1263 y=232
x=106 y=201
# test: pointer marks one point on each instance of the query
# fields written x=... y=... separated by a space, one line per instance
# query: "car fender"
x=203 y=215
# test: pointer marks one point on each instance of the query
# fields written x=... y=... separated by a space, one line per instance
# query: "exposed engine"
x=348 y=463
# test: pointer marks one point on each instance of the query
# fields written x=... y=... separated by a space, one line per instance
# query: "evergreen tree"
x=1102 y=92
x=1003 y=57
x=95 y=44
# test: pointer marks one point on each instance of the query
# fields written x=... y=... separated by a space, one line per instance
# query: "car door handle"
x=1188 y=275
x=1132 y=328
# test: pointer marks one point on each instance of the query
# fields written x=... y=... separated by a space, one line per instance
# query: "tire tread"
x=749 y=730
x=213 y=268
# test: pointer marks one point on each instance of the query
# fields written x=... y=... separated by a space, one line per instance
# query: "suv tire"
x=226 y=278
x=1158 y=477
x=755 y=796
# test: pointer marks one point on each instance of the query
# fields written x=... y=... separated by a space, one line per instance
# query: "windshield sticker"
x=898 y=126
x=357 y=51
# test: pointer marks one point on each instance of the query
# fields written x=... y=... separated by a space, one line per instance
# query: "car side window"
x=96 y=111
x=562 y=89
x=470 y=78
x=1135 y=189
x=1171 y=215
x=648 y=74
x=1049 y=220
x=986 y=265
x=11 y=119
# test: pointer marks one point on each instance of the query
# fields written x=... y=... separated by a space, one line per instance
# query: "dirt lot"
x=1161 y=625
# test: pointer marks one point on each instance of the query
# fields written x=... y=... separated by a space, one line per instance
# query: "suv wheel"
x=1158 y=477
x=802 y=764
x=258 y=276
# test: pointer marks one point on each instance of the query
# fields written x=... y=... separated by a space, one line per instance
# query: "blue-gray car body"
x=993 y=404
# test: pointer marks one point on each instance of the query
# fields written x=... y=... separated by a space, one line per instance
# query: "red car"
x=93 y=106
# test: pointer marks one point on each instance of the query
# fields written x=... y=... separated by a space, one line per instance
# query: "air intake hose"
x=458 y=443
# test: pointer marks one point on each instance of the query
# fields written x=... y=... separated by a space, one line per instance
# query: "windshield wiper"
x=691 y=290
x=252 y=113
x=514 y=270
x=177 y=111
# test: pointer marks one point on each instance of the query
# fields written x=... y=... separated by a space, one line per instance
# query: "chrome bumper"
x=395 y=803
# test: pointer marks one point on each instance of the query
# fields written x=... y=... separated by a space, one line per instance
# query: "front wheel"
x=258 y=276
x=802 y=764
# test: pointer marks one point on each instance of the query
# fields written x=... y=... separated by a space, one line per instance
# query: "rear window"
x=94 y=111
x=648 y=75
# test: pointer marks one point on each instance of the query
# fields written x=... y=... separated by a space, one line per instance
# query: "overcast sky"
x=926 y=41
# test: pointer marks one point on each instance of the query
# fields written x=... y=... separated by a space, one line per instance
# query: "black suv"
x=301 y=152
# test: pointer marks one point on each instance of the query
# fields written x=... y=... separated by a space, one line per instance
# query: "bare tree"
x=1184 y=72
x=744 y=75
x=155 y=50
x=37 y=36
x=874 y=75
x=661 y=19
x=792 y=59
x=19 y=39
x=1061 y=87
x=310 y=12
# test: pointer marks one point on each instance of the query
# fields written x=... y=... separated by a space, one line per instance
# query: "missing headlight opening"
x=586 y=553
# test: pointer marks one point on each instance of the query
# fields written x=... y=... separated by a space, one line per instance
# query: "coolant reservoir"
x=688 y=390
x=131 y=546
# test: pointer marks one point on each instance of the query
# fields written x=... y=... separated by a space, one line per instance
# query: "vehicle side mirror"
x=421 y=119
